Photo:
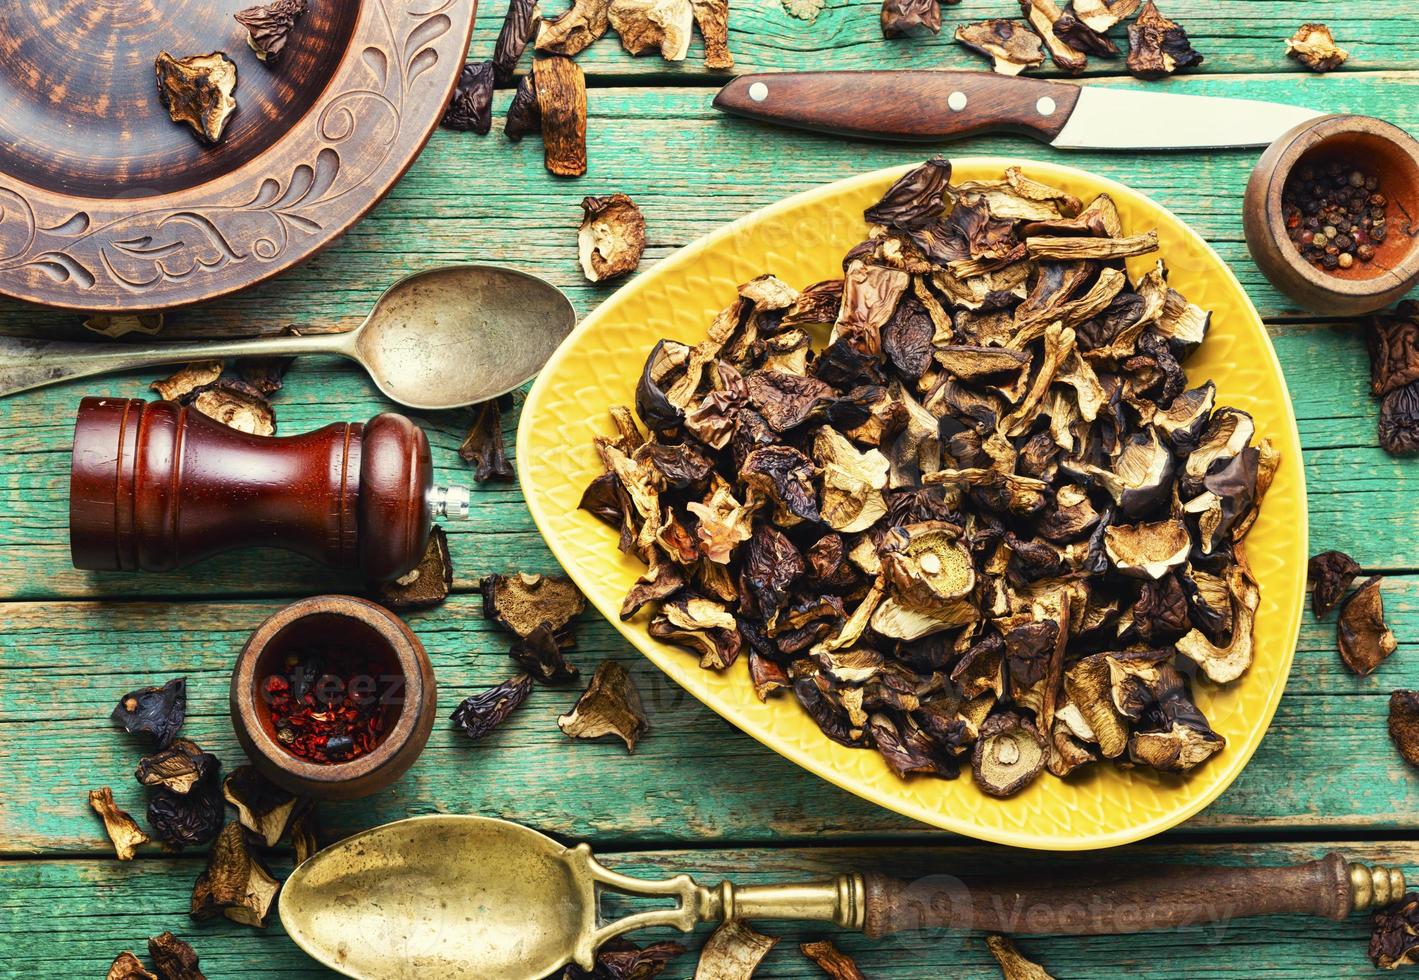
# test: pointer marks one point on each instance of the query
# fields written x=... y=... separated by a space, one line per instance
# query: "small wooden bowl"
x=1378 y=148
x=370 y=633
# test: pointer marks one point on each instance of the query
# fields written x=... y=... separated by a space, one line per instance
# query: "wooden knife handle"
x=903 y=105
x=1163 y=897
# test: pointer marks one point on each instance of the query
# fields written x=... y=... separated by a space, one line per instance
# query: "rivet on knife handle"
x=903 y=105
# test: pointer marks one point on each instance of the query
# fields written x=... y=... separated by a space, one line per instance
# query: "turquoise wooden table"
x=697 y=795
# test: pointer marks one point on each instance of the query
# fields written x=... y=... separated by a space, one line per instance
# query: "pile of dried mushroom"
x=988 y=521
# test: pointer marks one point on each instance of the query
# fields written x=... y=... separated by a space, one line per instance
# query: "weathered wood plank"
x=1233 y=36
x=471 y=198
x=1327 y=763
x=81 y=913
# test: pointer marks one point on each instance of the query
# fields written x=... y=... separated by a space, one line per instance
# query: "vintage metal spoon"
x=441 y=338
x=474 y=897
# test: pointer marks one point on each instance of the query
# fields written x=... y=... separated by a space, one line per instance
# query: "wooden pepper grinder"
x=157 y=486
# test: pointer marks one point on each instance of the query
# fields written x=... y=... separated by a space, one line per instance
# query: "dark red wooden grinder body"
x=157 y=486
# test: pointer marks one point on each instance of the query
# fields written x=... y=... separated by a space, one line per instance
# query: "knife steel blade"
x=941 y=105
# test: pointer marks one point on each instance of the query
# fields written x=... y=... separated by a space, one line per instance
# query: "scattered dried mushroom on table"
x=174 y=958
x=610 y=705
x=1010 y=44
x=831 y=960
x=733 y=952
x=483 y=445
x=560 y=88
x=983 y=521
x=1158 y=46
x=1394 y=939
x=1364 y=640
x=612 y=236
x=575 y=29
x=428 y=583
x=471 y=108
x=1314 y=46
x=126 y=966
x=1331 y=573
x=158 y=711
x=479 y=714
x=121 y=324
x=198 y=91
x=621 y=959
x=1394 y=376
x=1014 y=965
x=268 y=27
x=1404 y=724
x=239 y=402
x=910 y=18
x=122 y=829
x=236 y=883
x=262 y=807
x=519 y=24
x=178 y=768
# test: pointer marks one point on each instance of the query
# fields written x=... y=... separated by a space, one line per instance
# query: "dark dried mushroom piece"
x=126 y=966
x=1365 y=641
x=236 y=882
x=560 y=88
x=1175 y=737
x=540 y=653
x=1088 y=683
x=519 y=24
x=427 y=583
x=471 y=107
x=1394 y=939
x=645 y=25
x=186 y=379
x=523 y=114
x=1331 y=573
x=519 y=603
x=262 y=807
x=479 y=714
x=712 y=18
x=303 y=833
x=1314 y=46
x=1223 y=664
x=122 y=829
x=733 y=952
x=1399 y=421
x=702 y=625
x=910 y=18
x=175 y=959
x=188 y=819
x=1008 y=755
x=610 y=705
x=1394 y=350
x=159 y=711
x=483 y=444
x=1013 y=964
x=178 y=768
x=1157 y=46
x=612 y=237
x=1141 y=478
x=268 y=26
x=1404 y=724
x=621 y=959
x=831 y=960
x=1080 y=36
x=1043 y=15
x=197 y=90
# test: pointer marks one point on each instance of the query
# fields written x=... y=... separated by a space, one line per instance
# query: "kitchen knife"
x=943 y=105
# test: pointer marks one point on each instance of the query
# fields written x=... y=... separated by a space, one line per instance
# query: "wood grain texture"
x=109 y=205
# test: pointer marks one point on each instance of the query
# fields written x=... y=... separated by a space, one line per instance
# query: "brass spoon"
x=474 y=897
x=441 y=338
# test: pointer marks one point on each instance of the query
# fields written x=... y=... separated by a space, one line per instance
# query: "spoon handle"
x=27 y=363
x=1163 y=897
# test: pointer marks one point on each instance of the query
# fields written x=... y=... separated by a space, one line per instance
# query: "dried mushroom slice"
x=519 y=23
x=1394 y=349
x=1223 y=664
x=561 y=106
x=236 y=882
x=175 y=959
x=621 y=959
x=1182 y=740
x=610 y=705
x=1062 y=248
x=712 y=18
x=1157 y=46
x=1331 y=573
x=197 y=90
x=159 y=711
x=126 y=966
x=1100 y=15
x=1399 y=421
x=853 y=481
x=237 y=405
x=519 y=603
x=122 y=829
x=733 y=952
x=268 y=27
x=1042 y=15
x=523 y=114
x=1013 y=965
x=186 y=379
x=1404 y=724
x=479 y=714
x=1314 y=46
x=428 y=583
x=186 y=819
x=122 y=324
x=1394 y=940
x=1088 y=684
x=262 y=807
x=1079 y=35
x=471 y=107
x=612 y=237
x=1008 y=755
x=483 y=444
x=831 y=960
x=645 y=25
x=1364 y=640
x=541 y=655
x=910 y=18
x=178 y=768
x=574 y=30
x=1147 y=550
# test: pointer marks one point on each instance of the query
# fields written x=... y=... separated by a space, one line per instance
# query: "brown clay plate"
x=106 y=204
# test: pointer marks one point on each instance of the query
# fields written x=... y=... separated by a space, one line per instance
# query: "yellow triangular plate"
x=802 y=240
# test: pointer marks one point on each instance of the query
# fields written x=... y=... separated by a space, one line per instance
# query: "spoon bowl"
x=461 y=334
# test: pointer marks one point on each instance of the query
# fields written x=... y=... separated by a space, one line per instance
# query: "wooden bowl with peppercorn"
x=1332 y=214
x=333 y=698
